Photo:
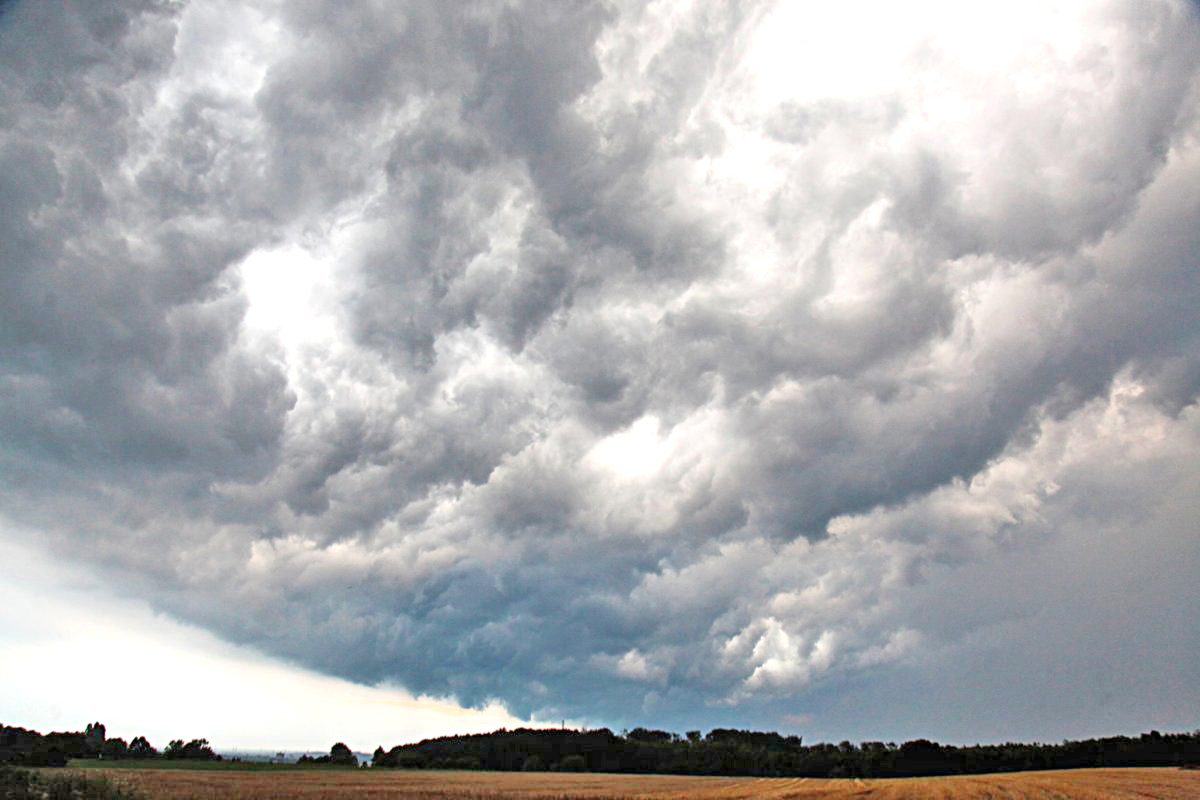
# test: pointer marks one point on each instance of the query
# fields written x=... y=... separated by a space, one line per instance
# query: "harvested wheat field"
x=1163 y=783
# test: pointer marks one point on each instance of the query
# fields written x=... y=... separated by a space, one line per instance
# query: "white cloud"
x=79 y=652
x=517 y=354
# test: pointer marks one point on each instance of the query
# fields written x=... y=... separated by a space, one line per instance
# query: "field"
x=332 y=784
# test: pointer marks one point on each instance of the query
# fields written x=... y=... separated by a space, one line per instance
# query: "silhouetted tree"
x=196 y=749
x=645 y=735
x=93 y=738
x=141 y=748
x=735 y=752
x=115 y=748
x=341 y=754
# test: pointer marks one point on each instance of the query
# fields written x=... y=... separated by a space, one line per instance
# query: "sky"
x=373 y=371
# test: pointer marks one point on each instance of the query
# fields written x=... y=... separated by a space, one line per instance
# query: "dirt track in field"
x=1088 y=784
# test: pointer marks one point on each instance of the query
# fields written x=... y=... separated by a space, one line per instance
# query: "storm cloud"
x=622 y=361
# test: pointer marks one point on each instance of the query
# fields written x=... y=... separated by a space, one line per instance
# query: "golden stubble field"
x=1087 y=784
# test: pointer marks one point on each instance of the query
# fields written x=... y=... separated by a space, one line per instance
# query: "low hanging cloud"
x=602 y=359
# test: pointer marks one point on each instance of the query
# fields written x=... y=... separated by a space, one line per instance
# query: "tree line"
x=30 y=748
x=722 y=751
x=737 y=752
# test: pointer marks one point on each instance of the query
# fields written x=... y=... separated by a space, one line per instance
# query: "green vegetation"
x=736 y=752
x=32 y=749
x=22 y=784
x=339 y=755
x=195 y=750
x=721 y=751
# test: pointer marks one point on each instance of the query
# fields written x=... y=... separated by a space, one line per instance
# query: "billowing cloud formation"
x=606 y=359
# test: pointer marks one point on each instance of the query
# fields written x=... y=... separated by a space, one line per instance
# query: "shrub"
x=19 y=784
x=573 y=763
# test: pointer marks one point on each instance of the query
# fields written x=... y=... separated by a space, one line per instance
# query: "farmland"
x=334 y=784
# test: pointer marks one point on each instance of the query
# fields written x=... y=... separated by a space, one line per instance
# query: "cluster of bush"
x=339 y=755
x=21 y=784
x=30 y=748
x=736 y=752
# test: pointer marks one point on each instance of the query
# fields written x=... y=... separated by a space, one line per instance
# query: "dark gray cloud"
x=617 y=361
